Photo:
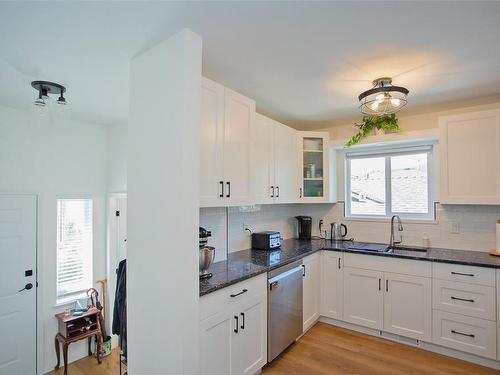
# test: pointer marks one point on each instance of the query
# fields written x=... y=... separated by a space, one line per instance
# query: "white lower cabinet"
x=407 y=306
x=332 y=285
x=363 y=297
x=233 y=329
x=311 y=290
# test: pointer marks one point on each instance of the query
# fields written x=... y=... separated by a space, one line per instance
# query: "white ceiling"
x=304 y=63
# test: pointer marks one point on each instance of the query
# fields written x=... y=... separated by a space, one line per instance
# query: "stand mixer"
x=207 y=253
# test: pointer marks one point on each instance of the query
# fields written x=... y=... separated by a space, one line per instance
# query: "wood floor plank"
x=331 y=350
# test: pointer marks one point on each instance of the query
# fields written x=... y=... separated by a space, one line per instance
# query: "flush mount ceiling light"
x=383 y=98
x=46 y=88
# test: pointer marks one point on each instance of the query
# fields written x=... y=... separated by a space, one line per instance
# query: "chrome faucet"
x=400 y=229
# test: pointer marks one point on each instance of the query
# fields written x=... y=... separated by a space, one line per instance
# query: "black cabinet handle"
x=26 y=287
x=240 y=293
x=379 y=284
x=339 y=263
x=462 y=274
x=237 y=324
x=386 y=285
x=463 y=334
x=300 y=192
x=221 y=195
x=462 y=299
x=272 y=191
x=278 y=191
x=228 y=189
x=242 y=321
x=303 y=270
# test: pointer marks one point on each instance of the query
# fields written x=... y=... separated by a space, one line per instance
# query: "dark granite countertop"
x=242 y=265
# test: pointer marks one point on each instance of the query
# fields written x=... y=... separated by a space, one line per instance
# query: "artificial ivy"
x=369 y=123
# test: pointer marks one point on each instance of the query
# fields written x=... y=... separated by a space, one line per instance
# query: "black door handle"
x=386 y=285
x=27 y=287
x=221 y=195
x=304 y=270
x=379 y=282
x=243 y=321
x=272 y=191
x=228 y=189
x=278 y=191
x=237 y=324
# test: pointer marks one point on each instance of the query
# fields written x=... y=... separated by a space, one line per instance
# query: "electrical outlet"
x=454 y=227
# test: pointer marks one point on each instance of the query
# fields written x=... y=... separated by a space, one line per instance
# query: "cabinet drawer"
x=471 y=335
x=466 y=299
x=213 y=303
x=464 y=274
x=388 y=264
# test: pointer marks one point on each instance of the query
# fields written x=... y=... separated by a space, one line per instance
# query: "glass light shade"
x=383 y=98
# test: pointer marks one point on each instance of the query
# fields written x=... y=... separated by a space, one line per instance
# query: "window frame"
x=386 y=152
x=70 y=297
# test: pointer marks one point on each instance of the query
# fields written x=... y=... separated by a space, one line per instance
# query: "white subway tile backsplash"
x=476 y=225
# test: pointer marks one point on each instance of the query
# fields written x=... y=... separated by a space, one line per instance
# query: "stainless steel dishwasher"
x=284 y=309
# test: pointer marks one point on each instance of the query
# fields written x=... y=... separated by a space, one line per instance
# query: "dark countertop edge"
x=326 y=248
x=402 y=256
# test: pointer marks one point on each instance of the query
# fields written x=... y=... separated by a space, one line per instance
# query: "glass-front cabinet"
x=314 y=153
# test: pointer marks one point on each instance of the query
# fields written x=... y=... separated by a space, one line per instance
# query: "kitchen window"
x=74 y=248
x=386 y=182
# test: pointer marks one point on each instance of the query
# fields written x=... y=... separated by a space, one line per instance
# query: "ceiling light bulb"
x=380 y=98
x=395 y=102
x=374 y=105
x=40 y=102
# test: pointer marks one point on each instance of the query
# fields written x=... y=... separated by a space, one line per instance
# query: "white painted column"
x=163 y=183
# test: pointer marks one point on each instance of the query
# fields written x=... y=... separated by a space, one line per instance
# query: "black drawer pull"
x=463 y=334
x=242 y=320
x=228 y=189
x=221 y=195
x=462 y=274
x=462 y=299
x=272 y=191
x=278 y=191
x=240 y=293
x=237 y=324
x=379 y=282
x=339 y=263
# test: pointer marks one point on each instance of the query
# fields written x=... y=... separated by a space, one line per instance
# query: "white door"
x=408 y=306
x=332 y=285
x=211 y=144
x=238 y=123
x=249 y=349
x=286 y=164
x=310 y=290
x=263 y=159
x=363 y=297
x=215 y=344
x=17 y=274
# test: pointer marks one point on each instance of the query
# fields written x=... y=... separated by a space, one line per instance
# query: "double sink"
x=382 y=248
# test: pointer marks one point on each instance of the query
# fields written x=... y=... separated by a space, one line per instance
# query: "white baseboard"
x=415 y=343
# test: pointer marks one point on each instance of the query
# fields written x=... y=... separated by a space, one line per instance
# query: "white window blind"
x=74 y=247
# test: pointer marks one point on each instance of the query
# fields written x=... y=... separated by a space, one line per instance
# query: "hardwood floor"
x=89 y=366
x=326 y=349
x=329 y=350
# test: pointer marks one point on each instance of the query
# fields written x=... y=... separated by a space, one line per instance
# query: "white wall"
x=117 y=158
x=54 y=157
x=162 y=203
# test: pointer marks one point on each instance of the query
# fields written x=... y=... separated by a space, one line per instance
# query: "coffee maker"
x=304 y=226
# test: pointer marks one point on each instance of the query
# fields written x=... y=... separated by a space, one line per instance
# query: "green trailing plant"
x=369 y=123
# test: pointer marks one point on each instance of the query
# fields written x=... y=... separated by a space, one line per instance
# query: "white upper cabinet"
x=470 y=158
x=263 y=159
x=227 y=120
x=275 y=161
x=211 y=144
x=314 y=167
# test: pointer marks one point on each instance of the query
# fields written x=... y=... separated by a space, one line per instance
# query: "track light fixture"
x=45 y=88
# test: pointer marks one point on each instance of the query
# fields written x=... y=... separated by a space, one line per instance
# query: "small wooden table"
x=76 y=328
